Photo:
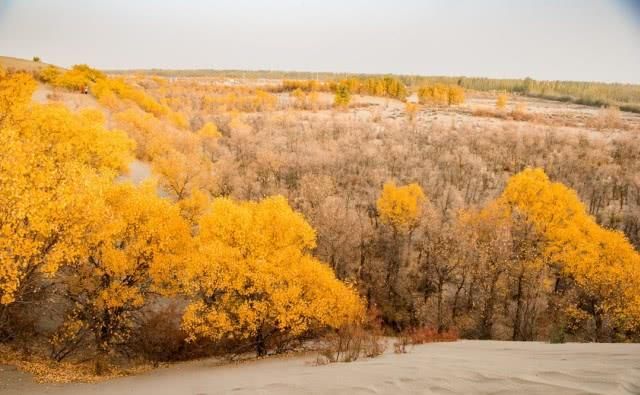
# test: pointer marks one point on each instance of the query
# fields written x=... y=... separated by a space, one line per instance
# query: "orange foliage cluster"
x=375 y=86
x=441 y=94
x=430 y=335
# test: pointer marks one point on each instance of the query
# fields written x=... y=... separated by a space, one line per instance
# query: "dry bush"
x=401 y=343
x=606 y=118
x=350 y=343
x=519 y=113
x=16 y=324
x=429 y=335
x=411 y=109
x=159 y=337
x=482 y=111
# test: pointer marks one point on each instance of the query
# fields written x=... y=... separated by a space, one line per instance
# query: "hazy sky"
x=543 y=39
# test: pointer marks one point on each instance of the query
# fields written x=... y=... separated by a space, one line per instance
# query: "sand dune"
x=464 y=367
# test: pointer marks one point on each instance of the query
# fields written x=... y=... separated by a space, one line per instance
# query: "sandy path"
x=465 y=367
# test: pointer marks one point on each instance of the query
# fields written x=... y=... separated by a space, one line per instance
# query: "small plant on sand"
x=400 y=345
x=342 y=97
x=607 y=118
x=519 y=113
x=501 y=101
x=351 y=343
x=411 y=109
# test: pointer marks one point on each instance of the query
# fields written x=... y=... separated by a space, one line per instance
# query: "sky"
x=588 y=40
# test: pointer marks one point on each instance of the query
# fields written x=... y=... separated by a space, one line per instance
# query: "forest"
x=278 y=212
x=597 y=94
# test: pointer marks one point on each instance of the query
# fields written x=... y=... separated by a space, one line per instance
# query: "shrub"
x=456 y=95
x=501 y=101
x=411 y=109
x=520 y=112
x=606 y=118
x=401 y=343
x=350 y=343
x=342 y=96
x=159 y=337
x=254 y=278
x=79 y=77
x=429 y=335
x=557 y=335
x=441 y=94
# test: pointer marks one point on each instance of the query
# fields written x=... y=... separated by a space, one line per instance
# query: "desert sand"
x=463 y=367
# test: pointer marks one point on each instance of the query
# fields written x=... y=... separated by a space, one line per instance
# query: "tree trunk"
x=440 y=286
x=261 y=346
x=518 y=316
x=456 y=296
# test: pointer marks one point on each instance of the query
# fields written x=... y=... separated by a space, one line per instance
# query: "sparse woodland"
x=279 y=212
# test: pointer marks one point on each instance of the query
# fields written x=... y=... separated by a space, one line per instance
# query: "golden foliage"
x=49 y=74
x=411 y=109
x=401 y=207
x=441 y=94
x=136 y=237
x=52 y=162
x=501 y=101
x=253 y=276
x=79 y=77
x=15 y=95
x=342 y=97
x=456 y=95
x=209 y=131
x=602 y=262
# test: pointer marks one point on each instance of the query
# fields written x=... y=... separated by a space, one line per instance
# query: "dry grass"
x=607 y=118
x=350 y=344
x=16 y=64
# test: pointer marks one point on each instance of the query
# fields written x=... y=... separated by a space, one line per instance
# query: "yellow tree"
x=501 y=101
x=180 y=172
x=209 y=130
x=254 y=278
x=15 y=95
x=79 y=77
x=488 y=233
x=342 y=96
x=136 y=238
x=601 y=263
x=52 y=163
x=401 y=207
x=456 y=95
x=411 y=109
x=300 y=98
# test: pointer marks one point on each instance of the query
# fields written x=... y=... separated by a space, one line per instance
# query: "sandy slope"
x=465 y=367
x=12 y=63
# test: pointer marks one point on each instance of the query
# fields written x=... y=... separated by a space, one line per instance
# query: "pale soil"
x=11 y=63
x=464 y=367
